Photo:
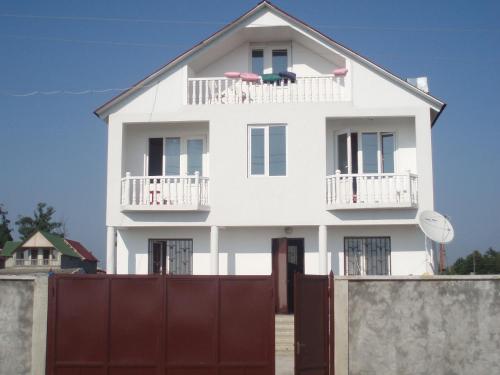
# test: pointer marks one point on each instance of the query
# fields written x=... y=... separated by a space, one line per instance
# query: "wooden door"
x=311 y=325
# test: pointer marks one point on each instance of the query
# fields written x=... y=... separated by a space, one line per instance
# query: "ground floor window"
x=168 y=256
x=367 y=255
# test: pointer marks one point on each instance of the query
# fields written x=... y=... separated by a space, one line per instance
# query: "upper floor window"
x=267 y=150
x=175 y=156
x=365 y=152
x=367 y=255
x=258 y=61
x=280 y=60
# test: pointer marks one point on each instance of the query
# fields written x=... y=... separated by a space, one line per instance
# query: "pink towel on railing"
x=232 y=74
x=340 y=72
x=250 y=77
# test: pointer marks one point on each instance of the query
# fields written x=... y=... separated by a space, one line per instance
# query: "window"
x=172 y=156
x=195 y=156
x=277 y=151
x=280 y=60
x=367 y=255
x=387 y=152
x=375 y=151
x=174 y=257
x=155 y=162
x=34 y=256
x=48 y=255
x=175 y=156
x=258 y=61
x=257 y=151
x=267 y=150
x=370 y=151
x=20 y=258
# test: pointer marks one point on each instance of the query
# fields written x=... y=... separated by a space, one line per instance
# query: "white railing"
x=377 y=190
x=222 y=90
x=164 y=192
x=37 y=262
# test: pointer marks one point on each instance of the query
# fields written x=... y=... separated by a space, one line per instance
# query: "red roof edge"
x=82 y=250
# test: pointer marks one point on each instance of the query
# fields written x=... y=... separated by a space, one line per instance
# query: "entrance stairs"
x=284 y=334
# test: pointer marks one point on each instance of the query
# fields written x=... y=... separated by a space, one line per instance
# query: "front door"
x=288 y=259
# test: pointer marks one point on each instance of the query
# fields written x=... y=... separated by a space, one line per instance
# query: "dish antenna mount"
x=437 y=228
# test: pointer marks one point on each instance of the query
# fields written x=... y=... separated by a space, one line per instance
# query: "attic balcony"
x=222 y=90
x=371 y=191
x=164 y=193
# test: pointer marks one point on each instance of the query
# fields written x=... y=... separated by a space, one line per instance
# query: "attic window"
x=258 y=61
x=280 y=60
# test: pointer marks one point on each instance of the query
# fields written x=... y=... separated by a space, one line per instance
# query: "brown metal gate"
x=312 y=332
x=169 y=325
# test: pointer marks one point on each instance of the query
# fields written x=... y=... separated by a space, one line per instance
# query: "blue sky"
x=53 y=149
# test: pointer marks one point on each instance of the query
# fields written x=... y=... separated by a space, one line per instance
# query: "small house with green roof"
x=46 y=252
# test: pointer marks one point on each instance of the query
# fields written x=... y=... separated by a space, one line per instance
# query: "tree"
x=481 y=264
x=4 y=227
x=41 y=220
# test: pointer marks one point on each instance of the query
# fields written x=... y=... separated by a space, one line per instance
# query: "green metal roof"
x=58 y=242
x=10 y=247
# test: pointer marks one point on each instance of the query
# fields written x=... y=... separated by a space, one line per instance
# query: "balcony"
x=222 y=90
x=37 y=262
x=164 y=193
x=371 y=191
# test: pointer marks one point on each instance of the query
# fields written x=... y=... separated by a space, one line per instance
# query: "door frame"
x=284 y=304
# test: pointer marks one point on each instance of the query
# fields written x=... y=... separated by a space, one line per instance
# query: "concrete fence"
x=383 y=325
x=23 y=324
x=417 y=325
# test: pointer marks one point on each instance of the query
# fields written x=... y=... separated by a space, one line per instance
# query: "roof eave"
x=102 y=111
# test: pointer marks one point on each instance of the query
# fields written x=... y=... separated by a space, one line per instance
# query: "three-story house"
x=269 y=148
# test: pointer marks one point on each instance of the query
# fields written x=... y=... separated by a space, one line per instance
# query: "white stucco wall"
x=247 y=251
x=297 y=199
x=302 y=61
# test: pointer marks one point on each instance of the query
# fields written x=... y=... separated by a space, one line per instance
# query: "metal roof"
x=67 y=247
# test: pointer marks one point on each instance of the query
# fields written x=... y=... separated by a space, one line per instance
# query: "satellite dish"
x=436 y=227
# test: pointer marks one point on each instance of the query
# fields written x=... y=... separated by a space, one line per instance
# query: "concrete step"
x=284 y=334
x=283 y=349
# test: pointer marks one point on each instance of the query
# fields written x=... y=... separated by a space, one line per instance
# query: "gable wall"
x=166 y=94
x=371 y=90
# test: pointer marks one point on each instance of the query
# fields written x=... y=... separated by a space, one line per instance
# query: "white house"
x=215 y=175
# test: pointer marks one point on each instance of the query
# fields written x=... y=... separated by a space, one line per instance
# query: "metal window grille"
x=367 y=255
x=169 y=256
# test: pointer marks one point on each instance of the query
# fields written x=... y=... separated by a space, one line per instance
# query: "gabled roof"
x=103 y=110
x=65 y=246
x=82 y=250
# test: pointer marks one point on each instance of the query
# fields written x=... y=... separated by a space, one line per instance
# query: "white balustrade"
x=371 y=190
x=222 y=90
x=164 y=192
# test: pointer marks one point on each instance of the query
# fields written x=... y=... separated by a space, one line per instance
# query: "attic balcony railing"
x=371 y=190
x=222 y=90
x=157 y=193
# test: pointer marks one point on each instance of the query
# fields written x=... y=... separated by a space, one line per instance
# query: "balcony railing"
x=164 y=193
x=37 y=262
x=382 y=190
x=222 y=90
